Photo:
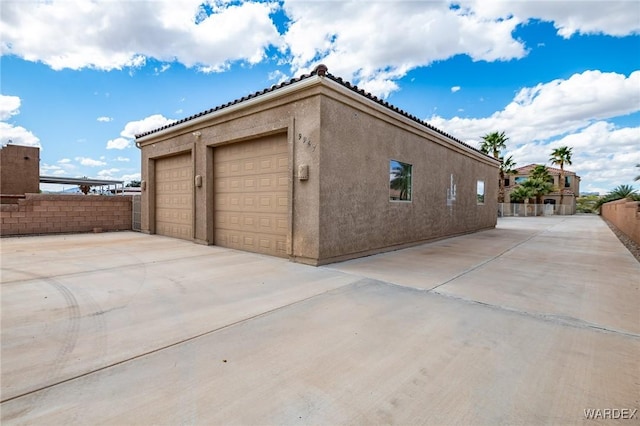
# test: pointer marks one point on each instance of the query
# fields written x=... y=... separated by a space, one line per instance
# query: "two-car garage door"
x=250 y=193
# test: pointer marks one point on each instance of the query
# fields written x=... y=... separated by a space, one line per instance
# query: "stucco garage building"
x=313 y=169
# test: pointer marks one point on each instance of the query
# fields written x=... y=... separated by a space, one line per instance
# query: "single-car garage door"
x=174 y=196
x=251 y=195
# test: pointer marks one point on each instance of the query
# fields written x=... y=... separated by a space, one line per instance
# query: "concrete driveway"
x=533 y=322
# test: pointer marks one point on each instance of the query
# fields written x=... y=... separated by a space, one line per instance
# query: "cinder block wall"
x=52 y=214
x=625 y=215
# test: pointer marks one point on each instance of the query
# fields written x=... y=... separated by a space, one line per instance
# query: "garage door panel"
x=174 y=196
x=251 y=186
x=246 y=167
x=271 y=182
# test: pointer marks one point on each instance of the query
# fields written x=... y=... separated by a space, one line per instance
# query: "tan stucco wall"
x=19 y=170
x=343 y=209
x=356 y=215
x=625 y=215
x=295 y=116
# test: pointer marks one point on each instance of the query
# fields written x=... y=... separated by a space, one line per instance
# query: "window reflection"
x=400 y=177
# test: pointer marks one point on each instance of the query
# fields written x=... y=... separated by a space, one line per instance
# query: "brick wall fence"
x=625 y=215
x=52 y=214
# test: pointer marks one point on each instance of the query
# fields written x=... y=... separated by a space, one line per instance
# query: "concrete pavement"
x=531 y=323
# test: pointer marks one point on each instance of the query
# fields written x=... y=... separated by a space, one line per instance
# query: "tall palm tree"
x=493 y=143
x=561 y=156
x=637 y=177
x=507 y=167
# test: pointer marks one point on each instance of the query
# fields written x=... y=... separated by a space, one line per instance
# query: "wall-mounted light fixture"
x=198 y=181
x=197 y=134
x=143 y=185
x=303 y=172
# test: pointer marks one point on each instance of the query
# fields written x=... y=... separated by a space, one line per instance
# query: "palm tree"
x=507 y=167
x=539 y=187
x=637 y=177
x=541 y=172
x=492 y=144
x=402 y=180
x=618 y=193
x=561 y=156
x=521 y=193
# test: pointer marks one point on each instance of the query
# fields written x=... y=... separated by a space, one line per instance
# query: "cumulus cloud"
x=9 y=106
x=571 y=112
x=107 y=173
x=454 y=89
x=124 y=34
x=612 y=17
x=376 y=45
x=133 y=128
x=64 y=161
x=85 y=161
x=373 y=46
x=10 y=133
x=123 y=159
x=104 y=119
x=118 y=143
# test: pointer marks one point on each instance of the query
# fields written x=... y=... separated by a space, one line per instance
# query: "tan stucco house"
x=315 y=170
x=570 y=188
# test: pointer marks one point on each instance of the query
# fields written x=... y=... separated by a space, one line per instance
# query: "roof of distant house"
x=320 y=70
x=525 y=170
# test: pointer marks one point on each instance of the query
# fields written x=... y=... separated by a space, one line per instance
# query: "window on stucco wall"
x=400 y=181
x=480 y=192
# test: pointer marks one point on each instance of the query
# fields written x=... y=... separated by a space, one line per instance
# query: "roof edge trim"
x=274 y=94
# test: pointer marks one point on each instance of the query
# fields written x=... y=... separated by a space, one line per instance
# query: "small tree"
x=618 y=193
x=133 y=184
x=84 y=188
x=521 y=193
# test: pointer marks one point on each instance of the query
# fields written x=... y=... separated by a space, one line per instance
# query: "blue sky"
x=81 y=78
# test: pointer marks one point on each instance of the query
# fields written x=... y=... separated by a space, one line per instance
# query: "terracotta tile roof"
x=525 y=170
x=322 y=71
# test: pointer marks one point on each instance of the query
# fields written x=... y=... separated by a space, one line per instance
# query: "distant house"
x=315 y=170
x=570 y=188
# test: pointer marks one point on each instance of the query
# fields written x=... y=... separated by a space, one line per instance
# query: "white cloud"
x=104 y=119
x=130 y=177
x=9 y=106
x=64 y=161
x=118 y=143
x=572 y=112
x=10 y=133
x=90 y=162
x=152 y=122
x=107 y=173
x=17 y=135
x=123 y=159
x=124 y=34
x=612 y=17
x=455 y=89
